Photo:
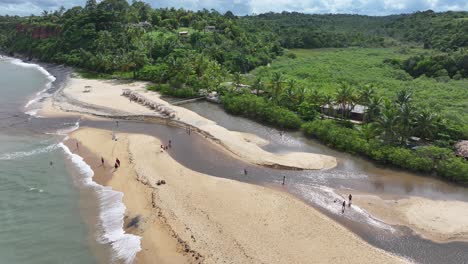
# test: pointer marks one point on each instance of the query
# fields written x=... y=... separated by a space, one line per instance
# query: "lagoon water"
x=41 y=213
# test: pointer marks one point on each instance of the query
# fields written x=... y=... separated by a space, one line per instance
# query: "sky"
x=245 y=7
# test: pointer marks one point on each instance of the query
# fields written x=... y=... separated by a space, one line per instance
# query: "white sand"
x=106 y=95
x=219 y=220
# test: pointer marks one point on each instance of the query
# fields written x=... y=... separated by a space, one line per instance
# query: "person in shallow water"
x=343 y=207
x=245 y=171
x=284 y=179
x=350 y=197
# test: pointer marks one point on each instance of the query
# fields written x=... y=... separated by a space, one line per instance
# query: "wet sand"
x=104 y=98
x=158 y=243
x=440 y=221
x=216 y=220
x=257 y=141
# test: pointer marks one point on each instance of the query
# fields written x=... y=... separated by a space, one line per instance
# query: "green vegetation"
x=408 y=72
x=262 y=110
x=323 y=71
x=441 y=66
x=424 y=159
x=408 y=123
x=139 y=42
x=443 y=31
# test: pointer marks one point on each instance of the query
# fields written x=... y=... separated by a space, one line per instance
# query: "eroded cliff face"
x=38 y=32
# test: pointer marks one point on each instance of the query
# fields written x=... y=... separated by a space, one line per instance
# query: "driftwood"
x=160 y=108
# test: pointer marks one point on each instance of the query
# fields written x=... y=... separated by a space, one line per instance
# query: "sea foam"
x=328 y=199
x=41 y=94
x=112 y=210
x=22 y=154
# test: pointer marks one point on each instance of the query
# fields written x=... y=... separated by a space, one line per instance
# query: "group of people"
x=166 y=147
x=343 y=205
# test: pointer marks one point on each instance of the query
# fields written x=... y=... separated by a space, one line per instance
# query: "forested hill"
x=297 y=30
x=444 y=31
x=181 y=47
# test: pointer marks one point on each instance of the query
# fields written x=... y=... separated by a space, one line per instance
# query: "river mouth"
x=317 y=188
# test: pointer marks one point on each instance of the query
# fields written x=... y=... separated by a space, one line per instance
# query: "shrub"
x=424 y=159
x=258 y=108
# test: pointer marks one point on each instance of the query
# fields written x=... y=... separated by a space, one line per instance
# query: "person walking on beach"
x=77 y=146
x=102 y=162
x=284 y=179
x=343 y=207
x=117 y=161
x=245 y=171
x=350 y=198
x=116 y=165
x=170 y=143
x=117 y=123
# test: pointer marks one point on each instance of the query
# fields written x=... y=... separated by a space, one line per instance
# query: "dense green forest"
x=410 y=72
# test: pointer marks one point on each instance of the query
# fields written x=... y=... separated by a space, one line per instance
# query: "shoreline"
x=436 y=220
x=195 y=238
x=104 y=100
x=50 y=109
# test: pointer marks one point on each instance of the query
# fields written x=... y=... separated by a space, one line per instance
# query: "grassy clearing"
x=326 y=69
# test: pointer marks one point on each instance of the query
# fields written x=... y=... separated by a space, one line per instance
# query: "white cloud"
x=242 y=7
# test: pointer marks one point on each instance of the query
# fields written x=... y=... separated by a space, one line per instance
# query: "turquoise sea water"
x=41 y=213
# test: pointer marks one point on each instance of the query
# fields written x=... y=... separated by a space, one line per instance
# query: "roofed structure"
x=461 y=149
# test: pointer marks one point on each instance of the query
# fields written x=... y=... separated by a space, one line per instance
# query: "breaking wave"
x=112 y=210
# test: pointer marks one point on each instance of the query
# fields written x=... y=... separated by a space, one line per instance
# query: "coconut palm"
x=277 y=82
x=387 y=123
x=425 y=124
x=405 y=120
x=404 y=96
x=328 y=101
x=257 y=85
x=373 y=109
x=345 y=97
x=366 y=94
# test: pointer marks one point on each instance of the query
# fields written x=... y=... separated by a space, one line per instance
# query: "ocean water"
x=42 y=217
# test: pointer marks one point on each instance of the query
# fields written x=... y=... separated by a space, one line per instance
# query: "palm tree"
x=277 y=81
x=328 y=101
x=425 y=124
x=387 y=123
x=404 y=96
x=237 y=78
x=373 y=109
x=257 y=85
x=366 y=94
x=346 y=99
x=405 y=120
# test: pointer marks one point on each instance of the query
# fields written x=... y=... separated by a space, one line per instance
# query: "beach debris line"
x=162 y=109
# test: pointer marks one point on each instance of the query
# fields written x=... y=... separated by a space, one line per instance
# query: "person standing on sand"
x=116 y=165
x=77 y=146
x=117 y=161
x=102 y=162
x=350 y=198
x=284 y=178
x=343 y=207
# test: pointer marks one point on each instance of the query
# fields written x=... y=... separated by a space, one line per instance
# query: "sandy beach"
x=440 y=221
x=104 y=97
x=196 y=218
